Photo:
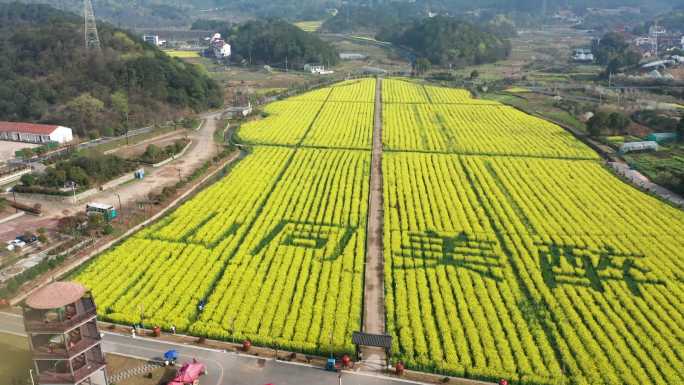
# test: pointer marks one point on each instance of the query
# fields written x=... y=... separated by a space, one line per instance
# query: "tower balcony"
x=64 y=375
x=62 y=319
x=61 y=352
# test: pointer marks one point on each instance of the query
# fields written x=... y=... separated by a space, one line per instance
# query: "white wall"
x=62 y=135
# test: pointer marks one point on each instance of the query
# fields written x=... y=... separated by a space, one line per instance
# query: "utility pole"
x=120 y=207
x=92 y=40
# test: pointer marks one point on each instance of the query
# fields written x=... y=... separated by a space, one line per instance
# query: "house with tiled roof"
x=35 y=133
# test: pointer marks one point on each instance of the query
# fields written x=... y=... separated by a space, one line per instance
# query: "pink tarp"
x=188 y=373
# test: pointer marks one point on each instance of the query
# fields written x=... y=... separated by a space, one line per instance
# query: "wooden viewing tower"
x=60 y=321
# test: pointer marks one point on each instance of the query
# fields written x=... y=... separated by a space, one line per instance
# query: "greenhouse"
x=639 y=146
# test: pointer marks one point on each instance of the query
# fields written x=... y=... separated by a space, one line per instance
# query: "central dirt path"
x=374 y=290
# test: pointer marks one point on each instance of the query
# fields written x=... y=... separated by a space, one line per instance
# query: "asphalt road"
x=223 y=368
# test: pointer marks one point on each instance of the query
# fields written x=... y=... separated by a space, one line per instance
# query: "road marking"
x=147 y=339
x=218 y=365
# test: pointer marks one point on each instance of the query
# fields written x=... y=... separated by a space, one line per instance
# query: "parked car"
x=28 y=239
x=13 y=244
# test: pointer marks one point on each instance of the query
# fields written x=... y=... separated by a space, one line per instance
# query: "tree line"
x=444 y=40
x=275 y=42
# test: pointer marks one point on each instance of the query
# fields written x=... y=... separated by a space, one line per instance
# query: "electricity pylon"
x=92 y=40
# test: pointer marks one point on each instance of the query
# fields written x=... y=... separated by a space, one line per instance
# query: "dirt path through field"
x=374 y=290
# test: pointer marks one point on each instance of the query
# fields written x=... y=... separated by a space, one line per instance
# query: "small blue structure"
x=330 y=365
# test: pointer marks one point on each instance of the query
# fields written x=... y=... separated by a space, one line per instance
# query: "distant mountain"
x=181 y=13
x=46 y=75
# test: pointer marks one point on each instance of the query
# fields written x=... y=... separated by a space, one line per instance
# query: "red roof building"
x=34 y=133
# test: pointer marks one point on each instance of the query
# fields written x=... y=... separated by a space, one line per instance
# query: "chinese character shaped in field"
x=327 y=241
x=476 y=253
x=581 y=266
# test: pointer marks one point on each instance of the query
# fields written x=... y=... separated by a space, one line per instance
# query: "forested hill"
x=446 y=40
x=357 y=18
x=272 y=41
x=46 y=75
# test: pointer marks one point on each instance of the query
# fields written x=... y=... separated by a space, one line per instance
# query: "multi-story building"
x=219 y=47
x=60 y=321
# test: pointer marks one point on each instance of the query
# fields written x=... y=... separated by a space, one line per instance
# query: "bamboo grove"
x=510 y=251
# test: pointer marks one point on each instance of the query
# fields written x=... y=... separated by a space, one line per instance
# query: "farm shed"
x=34 y=133
x=639 y=146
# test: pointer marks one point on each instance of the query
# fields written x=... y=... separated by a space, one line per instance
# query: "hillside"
x=355 y=18
x=47 y=76
x=272 y=41
x=445 y=40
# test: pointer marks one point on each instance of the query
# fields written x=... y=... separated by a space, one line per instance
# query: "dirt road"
x=374 y=290
x=203 y=148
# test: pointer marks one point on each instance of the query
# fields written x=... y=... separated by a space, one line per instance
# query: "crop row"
x=296 y=280
x=343 y=125
x=163 y=272
x=476 y=129
x=357 y=90
x=495 y=267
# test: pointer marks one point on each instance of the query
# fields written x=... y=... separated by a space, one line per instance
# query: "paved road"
x=223 y=368
x=107 y=139
x=641 y=181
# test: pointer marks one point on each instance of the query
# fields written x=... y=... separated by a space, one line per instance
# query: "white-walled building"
x=152 y=39
x=35 y=133
x=220 y=47
x=317 y=69
x=583 y=55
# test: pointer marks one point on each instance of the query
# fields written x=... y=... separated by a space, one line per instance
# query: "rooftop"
x=30 y=128
x=56 y=295
x=100 y=206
